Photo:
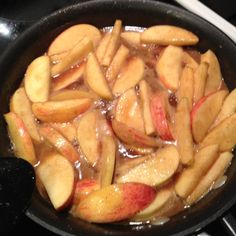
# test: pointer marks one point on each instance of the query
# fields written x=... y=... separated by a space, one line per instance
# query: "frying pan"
x=35 y=42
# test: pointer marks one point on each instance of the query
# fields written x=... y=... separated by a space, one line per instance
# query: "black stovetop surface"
x=20 y=14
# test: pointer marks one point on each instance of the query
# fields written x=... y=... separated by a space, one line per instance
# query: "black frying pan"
x=35 y=41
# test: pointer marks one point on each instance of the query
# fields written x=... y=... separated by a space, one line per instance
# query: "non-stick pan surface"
x=35 y=41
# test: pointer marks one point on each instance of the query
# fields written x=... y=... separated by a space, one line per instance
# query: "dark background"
x=19 y=14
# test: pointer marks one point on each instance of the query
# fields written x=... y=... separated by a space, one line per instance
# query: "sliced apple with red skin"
x=157 y=169
x=131 y=38
x=128 y=110
x=95 y=78
x=169 y=67
x=24 y=112
x=68 y=77
x=102 y=46
x=60 y=111
x=58 y=177
x=70 y=37
x=168 y=35
x=204 y=113
x=87 y=136
x=134 y=137
x=22 y=142
x=223 y=134
x=73 y=57
x=131 y=73
x=214 y=78
x=159 y=116
x=115 y=202
x=37 y=79
x=60 y=143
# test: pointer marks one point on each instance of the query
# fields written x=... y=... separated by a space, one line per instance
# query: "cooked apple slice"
x=116 y=64
x=24 y=112
x=228 y=107
x=115 y=202
x=159 y=116
x=57 y=175
x=68 y=77
x=214 y=74
x=189 y=61
x=183 y=132
x=22 y=143
x=200 y=77
x=139 y=150
x=190 y=177
x=60 y=111
x=59 y=142
x=162 y=197
x=214 y=173
x=169 y=67
x=223 y=134
x=87 y=136
x=134 y=137
x=112 y=44
x=102 y=46
x=73 y=57
x=132 y=38
x=95 y=78
x=145 y=94
x=128 y=110
x=186 y=86
x=168 y=35
x=37 y=79
x=154 y=171
x=71 y=36
x=130 y=75
x=68 y=94
x=108 y=156
x=204 y=113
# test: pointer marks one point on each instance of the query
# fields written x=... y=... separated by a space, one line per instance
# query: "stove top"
x=17 y=15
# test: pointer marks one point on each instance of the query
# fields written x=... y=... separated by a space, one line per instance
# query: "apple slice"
x=37 y=79
x=24 y=112
x=128 y=110
x=102 y=46
x=73 y=57
x=204 y=113
x=183 y=132
x=154 y=171
x=22 y=143
x=68 y=77
x=158 y=109
x=189 y=61
x=107 y=163
x=145 y=94
x=112 y=44
x=228 y=107
x=190 y=177
x=59 y=142
x=87 y=136
x=95 y=78
x=134 y=137
x=200 y=77
x=139 y=150
x=71 y=36
x=115 y=202
x=60 y=111
x=116 y=63
x=130 y=75
x=169 y=67
x=223 y=134
x=131 y=38
x=168 y=35
x=217 y=170
x=58 y=177
x=214 y=74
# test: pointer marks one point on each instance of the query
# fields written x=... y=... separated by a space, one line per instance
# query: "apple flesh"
x=58 y=177
x=102 y=46
x=22 y=142
x=37 y=79
x=189 y=61
x=115 y=202
x=160 y=167
x=131 y=38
